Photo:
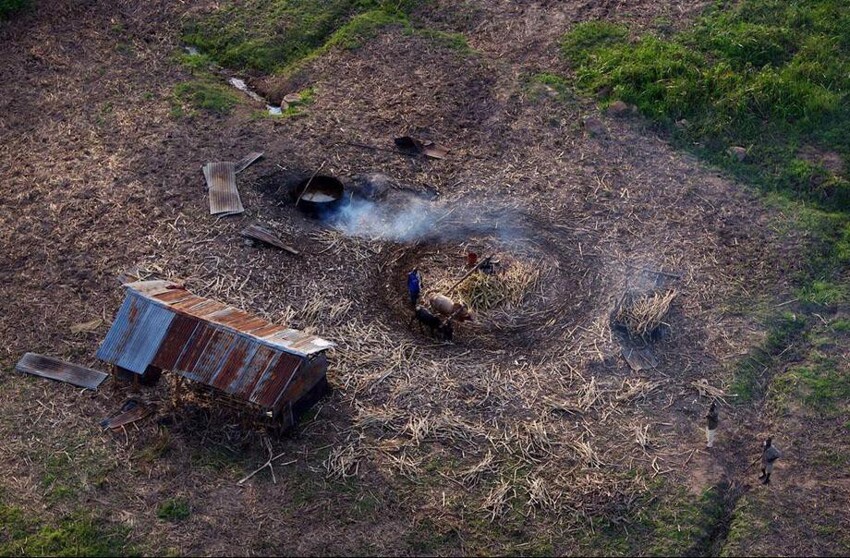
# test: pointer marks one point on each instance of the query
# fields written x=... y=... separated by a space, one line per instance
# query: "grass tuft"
x=204 y=95
x=174 y=509
x=76 y=535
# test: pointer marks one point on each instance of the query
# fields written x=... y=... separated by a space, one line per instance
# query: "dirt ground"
x=507 y=440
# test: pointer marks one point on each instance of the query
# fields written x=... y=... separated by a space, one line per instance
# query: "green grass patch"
x=546 y=84
x=195 y=62
x=174 y=509
x=67 y=474
x=748 y=524
x=673 y=523
x=783 y=332
x=841 y=325
x=9 y=8
x=75 y=535
x=452 y=41
x=826 y=388
x=201 y=94
x=767 y=75
x=272 y=35
x=822 y=292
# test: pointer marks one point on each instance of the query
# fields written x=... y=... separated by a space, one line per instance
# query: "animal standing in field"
x=426 y=319
x=447 y=307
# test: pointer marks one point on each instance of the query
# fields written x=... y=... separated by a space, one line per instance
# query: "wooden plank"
x=54 y=369
x=246 y=161
x=132 y=411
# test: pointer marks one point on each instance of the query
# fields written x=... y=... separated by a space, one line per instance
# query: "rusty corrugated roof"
x=55 y=369
x=162 y=324
x=221 y=181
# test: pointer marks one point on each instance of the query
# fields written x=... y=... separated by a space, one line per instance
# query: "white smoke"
x=404 y=220
x=405 y=217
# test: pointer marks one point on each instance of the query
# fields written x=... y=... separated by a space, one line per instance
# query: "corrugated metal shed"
x=163 y=325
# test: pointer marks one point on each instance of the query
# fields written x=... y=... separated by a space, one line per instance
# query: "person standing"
x=711 y=421
x=768 y=456
x=414 y=286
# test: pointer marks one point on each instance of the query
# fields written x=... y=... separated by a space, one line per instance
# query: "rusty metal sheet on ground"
x=247 y=161
x=55 y=369
x=639 y=359
x=256 y=232
x=415 y=146
x=132 y=411
x=221 y=181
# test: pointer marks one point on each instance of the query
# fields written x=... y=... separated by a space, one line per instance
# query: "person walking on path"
x=414 y=286
x=712 y=419
x=768 y=456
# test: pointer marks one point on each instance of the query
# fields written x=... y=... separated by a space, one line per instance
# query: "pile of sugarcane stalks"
x=484 y=291
x=641 y=315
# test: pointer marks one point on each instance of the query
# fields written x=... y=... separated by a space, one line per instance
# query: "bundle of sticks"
x=641 y=315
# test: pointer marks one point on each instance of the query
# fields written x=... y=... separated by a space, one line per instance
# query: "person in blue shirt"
x=414 y=286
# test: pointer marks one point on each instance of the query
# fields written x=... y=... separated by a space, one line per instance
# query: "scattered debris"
x=221 y=181
x=164 y=326
x=131 y=411
x=272 y=458
x=86 y=327
x=247 y=161
x=262 y=234
x=415 y=146
x=55 y=369
x=707 y=390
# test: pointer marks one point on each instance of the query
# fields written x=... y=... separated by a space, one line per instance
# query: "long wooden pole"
x=470 y=272
x=304 y=191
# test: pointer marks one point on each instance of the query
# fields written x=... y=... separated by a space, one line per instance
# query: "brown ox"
x=447 y=307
